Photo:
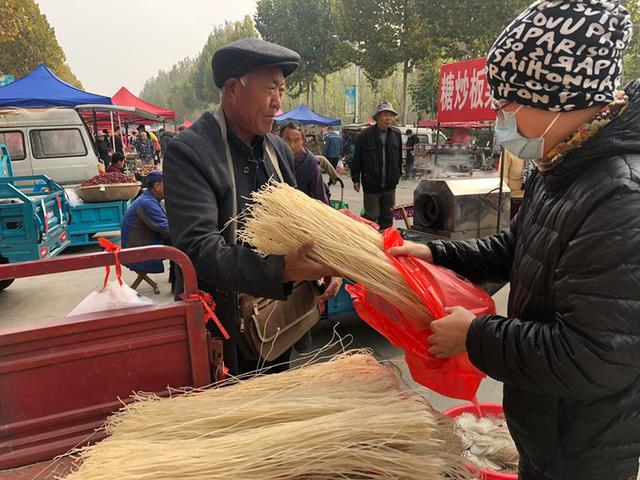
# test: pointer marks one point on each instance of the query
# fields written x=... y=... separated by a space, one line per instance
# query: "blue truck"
x=34 y=216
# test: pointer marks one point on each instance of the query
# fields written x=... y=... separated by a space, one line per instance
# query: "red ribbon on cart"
x=207 y=302
x=115 y=249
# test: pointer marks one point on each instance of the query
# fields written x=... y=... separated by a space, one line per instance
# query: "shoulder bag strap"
x=271 y=153
x=219 y=116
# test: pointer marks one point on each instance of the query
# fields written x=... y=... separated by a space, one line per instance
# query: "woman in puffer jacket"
x=568 y=352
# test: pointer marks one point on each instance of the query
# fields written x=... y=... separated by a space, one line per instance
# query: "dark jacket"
x=145 y=223
x=569 y=351
x=103 y=151
x=309 y=176
x=165 y=138
x=332 y=145
x=199 y=205
x=366 y=166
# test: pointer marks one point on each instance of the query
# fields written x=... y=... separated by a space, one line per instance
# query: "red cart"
x=59 y=381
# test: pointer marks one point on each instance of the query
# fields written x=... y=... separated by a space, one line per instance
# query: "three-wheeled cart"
x=59 y=380
x=34 y=218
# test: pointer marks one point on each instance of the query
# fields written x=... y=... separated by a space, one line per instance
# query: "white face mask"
x=511 y=139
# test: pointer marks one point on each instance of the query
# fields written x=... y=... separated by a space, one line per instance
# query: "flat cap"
x=242 y=56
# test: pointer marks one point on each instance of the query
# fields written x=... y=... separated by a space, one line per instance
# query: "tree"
x=632 y=56
x=204 y=91
x=451 y=43
x=468 y=28
x=27 y=39
x=168 y=89
x=383 y=34
x=188 y=88
x=309 y=28
x=424 y=92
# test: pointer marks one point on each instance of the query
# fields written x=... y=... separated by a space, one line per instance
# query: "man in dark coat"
x=203 y=167
x=569 y=350
x=102 y=146
x=377 y=165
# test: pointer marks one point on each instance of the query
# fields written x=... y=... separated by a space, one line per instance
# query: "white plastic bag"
x=112 y=297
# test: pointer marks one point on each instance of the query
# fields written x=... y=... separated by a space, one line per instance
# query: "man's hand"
x=412 y=249
x=450 y=333
x=298 y=266
x=356 y=186
x=333 y=285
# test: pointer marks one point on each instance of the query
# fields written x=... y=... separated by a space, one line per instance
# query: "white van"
x=53 y=142
x=56 y=142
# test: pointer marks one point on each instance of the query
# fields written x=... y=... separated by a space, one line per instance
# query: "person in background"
x=512 y=174
x=117 y=163
x=165 y=138
x=117 y=137
x=102 y=146
x=332 y=147
x=567 y=351
x=145 y=223
x=156 y=147
x=201 y=180
x=144 y=147
x=306 y=165
x=133 y=136
x=377 y=163
x=412 y=140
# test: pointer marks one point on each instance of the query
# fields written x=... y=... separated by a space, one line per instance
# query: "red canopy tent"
x=125 y=98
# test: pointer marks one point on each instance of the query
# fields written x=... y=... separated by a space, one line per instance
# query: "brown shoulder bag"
x=268 y=328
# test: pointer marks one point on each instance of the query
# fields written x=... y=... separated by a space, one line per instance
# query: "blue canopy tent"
x=42 y=89
x=306 y=116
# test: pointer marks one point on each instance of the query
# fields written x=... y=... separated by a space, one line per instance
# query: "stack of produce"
x=108 y=187
x=146 y=169
x=108 y=178
x=346 y=418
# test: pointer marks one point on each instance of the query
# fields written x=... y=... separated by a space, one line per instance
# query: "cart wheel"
x=5 y=283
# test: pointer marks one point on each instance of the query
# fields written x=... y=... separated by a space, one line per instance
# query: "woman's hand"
x=333 y=285
x=449 y=336
x=412 y=249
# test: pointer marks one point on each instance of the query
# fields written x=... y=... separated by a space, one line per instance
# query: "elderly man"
x=567 y=351
x=214 y=165
x=377 y=165
x=145 y=223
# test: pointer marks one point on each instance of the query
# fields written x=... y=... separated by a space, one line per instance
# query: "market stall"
x=42 y=89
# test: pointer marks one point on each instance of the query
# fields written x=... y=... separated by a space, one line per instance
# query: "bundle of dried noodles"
x=346 y=418
x=282 y=218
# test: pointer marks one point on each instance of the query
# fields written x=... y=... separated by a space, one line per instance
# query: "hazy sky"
x=116 y=43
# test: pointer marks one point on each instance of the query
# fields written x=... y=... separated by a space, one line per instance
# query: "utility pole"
x=357 y=112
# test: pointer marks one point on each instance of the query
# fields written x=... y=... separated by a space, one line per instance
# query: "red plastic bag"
x=438 y=287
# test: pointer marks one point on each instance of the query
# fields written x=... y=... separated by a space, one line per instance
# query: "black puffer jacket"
x=569 y=353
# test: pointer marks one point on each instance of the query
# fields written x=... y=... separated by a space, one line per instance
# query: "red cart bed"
x=59 y=381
